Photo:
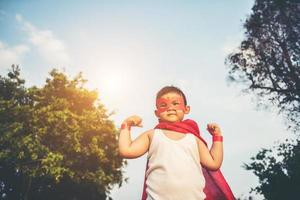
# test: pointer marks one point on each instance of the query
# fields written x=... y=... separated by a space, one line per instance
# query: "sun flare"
x=111 y=85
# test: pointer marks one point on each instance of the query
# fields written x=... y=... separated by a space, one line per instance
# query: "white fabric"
x=174 y=170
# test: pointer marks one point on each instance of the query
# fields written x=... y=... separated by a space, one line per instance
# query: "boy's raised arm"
x=136 y=148
x=213 y=158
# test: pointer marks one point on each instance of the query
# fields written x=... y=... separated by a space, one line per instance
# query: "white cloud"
x=48 y=45
x=11 y=55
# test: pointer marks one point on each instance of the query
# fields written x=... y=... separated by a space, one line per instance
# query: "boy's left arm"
x=212 y=159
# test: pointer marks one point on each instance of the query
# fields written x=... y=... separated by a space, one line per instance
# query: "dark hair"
x=168 y=89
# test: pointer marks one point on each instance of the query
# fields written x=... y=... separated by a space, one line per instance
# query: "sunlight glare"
x=111 y=85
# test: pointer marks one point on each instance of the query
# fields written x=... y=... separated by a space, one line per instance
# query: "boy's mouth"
x=171 y=114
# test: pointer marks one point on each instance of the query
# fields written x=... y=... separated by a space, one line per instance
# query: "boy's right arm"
x=211 y=159
x=138 y=147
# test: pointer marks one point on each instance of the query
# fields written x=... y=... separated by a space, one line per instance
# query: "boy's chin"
x=170 y=120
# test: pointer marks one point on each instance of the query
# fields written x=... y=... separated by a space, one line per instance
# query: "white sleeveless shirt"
x=174 y=170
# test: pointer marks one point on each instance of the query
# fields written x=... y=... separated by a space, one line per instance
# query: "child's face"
x=170 y=107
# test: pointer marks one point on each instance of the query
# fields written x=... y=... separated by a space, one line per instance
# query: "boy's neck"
x=163 y=121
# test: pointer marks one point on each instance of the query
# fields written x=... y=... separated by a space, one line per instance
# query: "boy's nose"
x=171 y=107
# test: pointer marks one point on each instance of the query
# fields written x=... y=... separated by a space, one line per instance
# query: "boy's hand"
x=134 y=121
x=213 y=129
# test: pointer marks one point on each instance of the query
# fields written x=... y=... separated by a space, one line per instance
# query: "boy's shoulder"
x=149 y=131
x=149 y=134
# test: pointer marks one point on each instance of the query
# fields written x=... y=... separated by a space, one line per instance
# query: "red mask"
x=163 y=104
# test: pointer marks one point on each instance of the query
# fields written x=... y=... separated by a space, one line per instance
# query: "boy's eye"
x=162 y=105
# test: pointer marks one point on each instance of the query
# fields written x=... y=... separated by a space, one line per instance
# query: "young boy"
x=175 y=158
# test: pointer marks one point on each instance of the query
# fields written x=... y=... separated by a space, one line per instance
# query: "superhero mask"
x=175 y=103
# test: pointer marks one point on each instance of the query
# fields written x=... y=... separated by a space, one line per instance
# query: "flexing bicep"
x=206 y=159
x=138 y=147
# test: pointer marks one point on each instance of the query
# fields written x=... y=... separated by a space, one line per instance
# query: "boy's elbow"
x=125 y=154
x=214 y=166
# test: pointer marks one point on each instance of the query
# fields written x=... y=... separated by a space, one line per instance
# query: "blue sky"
x=128 y=50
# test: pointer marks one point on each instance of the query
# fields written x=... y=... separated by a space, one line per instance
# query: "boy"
x=174 y=157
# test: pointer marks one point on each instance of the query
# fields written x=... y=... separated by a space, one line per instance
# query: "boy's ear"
x=156 y=113
x=187 y=109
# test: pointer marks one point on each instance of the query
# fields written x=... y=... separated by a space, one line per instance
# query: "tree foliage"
x=267 y=63
x=278 y=171
x=268 y=59
x=56 y=141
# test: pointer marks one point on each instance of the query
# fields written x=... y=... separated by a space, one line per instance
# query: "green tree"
x=269 y=57
x=278 y=171
x=56 y=141
x=267 y=63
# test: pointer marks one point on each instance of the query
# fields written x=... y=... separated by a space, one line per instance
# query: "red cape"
x=216 y=187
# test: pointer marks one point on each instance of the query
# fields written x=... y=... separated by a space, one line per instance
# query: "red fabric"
x=217 y=138
x=216 y=187
x=163 y=104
